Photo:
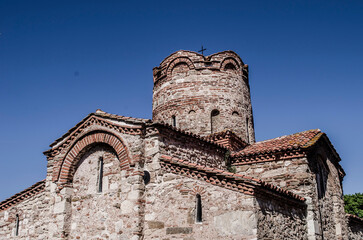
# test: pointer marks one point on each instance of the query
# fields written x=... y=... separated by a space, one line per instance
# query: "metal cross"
x=202 y=50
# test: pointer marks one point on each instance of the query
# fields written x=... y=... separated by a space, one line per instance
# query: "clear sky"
x=61 y=60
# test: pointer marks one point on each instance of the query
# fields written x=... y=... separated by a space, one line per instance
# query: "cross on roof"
x=202 y=50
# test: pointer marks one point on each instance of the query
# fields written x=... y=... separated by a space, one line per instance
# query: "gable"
x=96 y=128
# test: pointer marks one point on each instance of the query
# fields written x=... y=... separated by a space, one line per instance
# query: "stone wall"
x=191 y=149
x=33 y=219
x=278 y=220
x=170 y=210
x=204 y=94
x=171 y=202
x=106 y=214
x=79 y=210
x=332 y=204
x=326 y=213
x=291 y=174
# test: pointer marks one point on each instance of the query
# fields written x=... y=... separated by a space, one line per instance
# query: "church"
x=194 y=171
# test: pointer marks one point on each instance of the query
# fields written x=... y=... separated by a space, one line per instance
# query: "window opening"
x=214 y=120
x=198 y=209
x=17 y=225
x=320 y=178
x=146 y=177
x=229 y=67
x=247 y=132
x=100 y=174
x=173 y=120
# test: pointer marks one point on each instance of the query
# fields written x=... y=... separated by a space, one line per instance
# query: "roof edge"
x=99 y=113
x=23 y=195
x=255 y=182
x=238 y=154
x=189 y=134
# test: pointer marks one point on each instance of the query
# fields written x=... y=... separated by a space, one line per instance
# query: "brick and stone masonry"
x=204 y=94
x=192 y=172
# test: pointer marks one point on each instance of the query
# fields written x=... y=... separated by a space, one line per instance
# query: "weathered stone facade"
x=193 y=172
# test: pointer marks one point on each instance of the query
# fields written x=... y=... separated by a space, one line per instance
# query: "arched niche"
x=70 y=161
x=229 y=65
x=181 y=62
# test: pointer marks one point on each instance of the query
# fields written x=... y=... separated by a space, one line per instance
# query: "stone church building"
x=192 y=172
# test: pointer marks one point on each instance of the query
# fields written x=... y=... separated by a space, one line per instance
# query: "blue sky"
x=61 y=60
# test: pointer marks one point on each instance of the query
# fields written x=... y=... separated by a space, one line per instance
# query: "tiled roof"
x=103 y=114
x=225 y=179
x=23 y=195
x=291 y=142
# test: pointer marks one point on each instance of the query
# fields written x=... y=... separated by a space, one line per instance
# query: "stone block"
x=155 y=224
x=236 y=222
x=179 y=230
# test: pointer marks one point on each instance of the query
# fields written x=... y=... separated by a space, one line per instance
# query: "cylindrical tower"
x=204 y=94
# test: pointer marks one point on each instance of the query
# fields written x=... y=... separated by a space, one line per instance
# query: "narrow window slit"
x=100 y=174
x=248 y=134
x=214 y=121
x=198 y=209
x=17 y=225
x=173 y=120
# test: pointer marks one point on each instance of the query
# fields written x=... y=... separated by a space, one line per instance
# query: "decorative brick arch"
x=177 y=61
x=229 y=61
x=66 y=170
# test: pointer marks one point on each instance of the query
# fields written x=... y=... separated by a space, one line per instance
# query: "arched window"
x=198 y=213
x=214 y=120
x=173 y=121
x=146 y=177
x=230 y=67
